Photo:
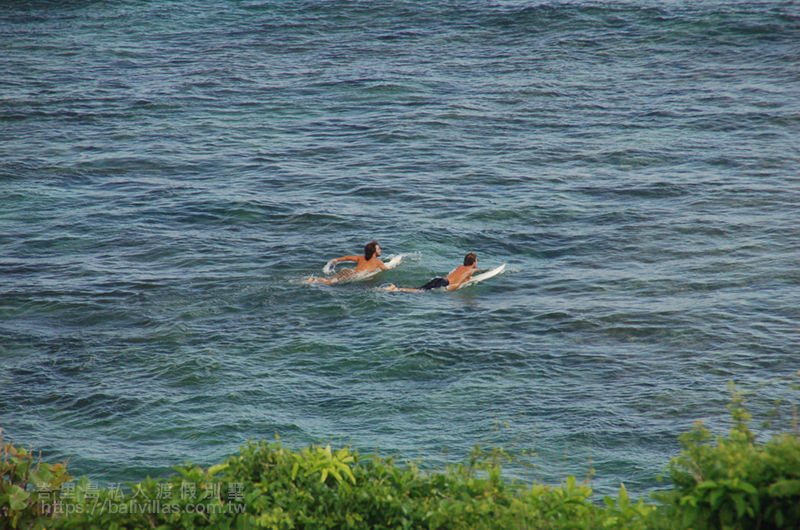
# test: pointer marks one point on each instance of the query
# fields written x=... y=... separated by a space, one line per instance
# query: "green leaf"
x=347 y=471
x=624 y=499
x=707 y=485
x=748 y=488
x=216 y=469
x=22 y=466
x=755 y=502
x=741 y=505
x=17 y=497
x=690 y=516
x=610 y=503
x=336 y=475
x=779 y=519
x=785 y=488
x=716 y=498
x=689 y=499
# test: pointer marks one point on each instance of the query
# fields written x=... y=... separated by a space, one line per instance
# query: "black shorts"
x=436 y=283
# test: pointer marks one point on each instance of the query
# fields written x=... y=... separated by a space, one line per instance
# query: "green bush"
x=731 y=482
x=20 y=508
x=319 y=488
x=735 y=482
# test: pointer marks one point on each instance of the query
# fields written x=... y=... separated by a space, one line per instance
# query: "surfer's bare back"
x=452 y=281
x=365 y=264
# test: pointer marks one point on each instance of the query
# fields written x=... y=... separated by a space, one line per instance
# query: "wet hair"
x=470 y=259
x=369 y=250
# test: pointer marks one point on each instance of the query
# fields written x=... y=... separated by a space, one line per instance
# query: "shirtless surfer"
x=367 y=263
x=452 y=281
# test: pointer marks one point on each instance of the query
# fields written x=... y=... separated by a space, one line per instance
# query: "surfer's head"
x=470 y=259
x=371 y=249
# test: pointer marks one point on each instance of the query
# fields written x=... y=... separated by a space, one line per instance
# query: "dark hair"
x=369 y=250
x=470 y=258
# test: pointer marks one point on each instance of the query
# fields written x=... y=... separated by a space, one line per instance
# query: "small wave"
x=343 y=276
x=408 y=256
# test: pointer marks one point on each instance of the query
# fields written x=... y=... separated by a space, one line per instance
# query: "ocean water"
x=172 y=172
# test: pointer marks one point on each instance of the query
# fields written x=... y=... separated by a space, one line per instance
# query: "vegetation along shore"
x=736 y=481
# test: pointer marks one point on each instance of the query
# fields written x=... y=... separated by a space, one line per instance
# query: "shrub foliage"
x=728 y=482
x=734 y=482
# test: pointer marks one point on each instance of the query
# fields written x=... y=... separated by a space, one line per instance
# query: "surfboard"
x=328 y=268
x=395 y=261
x=483 y=276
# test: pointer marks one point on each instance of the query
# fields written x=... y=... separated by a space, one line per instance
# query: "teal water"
x=171 y=172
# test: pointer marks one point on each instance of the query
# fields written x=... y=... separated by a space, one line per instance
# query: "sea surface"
x=172 y=172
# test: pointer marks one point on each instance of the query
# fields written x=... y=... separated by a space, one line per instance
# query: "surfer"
x=452 y=281
x=367 y=263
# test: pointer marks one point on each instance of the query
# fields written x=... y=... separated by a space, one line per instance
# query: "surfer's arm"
x=346 y=258
x=455 y=285
x=457 y=279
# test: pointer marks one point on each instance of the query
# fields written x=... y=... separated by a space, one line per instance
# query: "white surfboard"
x=395 y=261
x=483 y=276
